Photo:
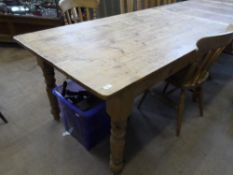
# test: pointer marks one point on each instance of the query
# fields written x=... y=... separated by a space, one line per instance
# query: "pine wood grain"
x=110 y=54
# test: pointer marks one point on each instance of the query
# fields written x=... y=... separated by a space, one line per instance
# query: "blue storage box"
x=88 y=127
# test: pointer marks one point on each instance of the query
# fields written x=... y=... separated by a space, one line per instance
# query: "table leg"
x=50 y=81
x=119 y=109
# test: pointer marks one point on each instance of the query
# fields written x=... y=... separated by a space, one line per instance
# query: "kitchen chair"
x=78 y=10
x=3 y=118
x=194 y=75
x=133 y=5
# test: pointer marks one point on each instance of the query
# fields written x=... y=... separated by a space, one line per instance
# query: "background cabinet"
x=22 y=16
x=46 y=8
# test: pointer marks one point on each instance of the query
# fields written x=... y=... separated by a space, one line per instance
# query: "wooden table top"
x=110 y=54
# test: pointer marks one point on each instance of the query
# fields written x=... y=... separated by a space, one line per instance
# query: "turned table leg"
x=50 y=81
x=119 y=108
x=117 y=141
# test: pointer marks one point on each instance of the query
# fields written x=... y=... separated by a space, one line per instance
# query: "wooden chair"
x=78 y=10
x=3 y=118
x=194 y=75
x=132 y=5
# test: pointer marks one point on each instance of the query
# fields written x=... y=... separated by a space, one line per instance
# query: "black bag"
x=82 y=99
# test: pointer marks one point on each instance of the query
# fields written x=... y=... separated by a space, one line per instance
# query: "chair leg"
x=3 y=118
x=200 y=99
x=165 y=88
x=210 y=77
x=194 y=96
x=142 y=99
x=180 y=111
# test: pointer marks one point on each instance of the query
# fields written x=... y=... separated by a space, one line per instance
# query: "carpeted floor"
x=32 y=142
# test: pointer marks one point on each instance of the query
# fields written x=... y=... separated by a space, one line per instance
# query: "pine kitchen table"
x=119 y=57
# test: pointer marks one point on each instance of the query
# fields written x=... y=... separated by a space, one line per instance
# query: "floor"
x=32 y=142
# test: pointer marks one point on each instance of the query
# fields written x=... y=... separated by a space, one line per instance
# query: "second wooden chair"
x=195 y=75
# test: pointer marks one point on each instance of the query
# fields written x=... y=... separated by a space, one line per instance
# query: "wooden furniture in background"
x=119 y=57
x=133 y=5
x=78 y=10
x=13 y=25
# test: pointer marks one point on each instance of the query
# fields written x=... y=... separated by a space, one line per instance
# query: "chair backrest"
x=132 y=5
x=208 y=51
x=78 y=10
